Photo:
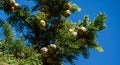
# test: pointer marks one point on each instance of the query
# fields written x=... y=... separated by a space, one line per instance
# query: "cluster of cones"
x=81 y=31
x=14 y=4
x=49 y=54
x=11 y=5
x=67 y=7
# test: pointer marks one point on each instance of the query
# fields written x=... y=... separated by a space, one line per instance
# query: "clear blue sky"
x=109 y=38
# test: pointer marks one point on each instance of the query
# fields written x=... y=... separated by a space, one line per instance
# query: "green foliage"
x=44 y=24
x=15 y=52
x=9 y=60
x=8 y=33
x=75 y=8
x=99 y=23
x=70 y=46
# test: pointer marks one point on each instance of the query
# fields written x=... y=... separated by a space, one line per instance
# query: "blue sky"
x=108 y=38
